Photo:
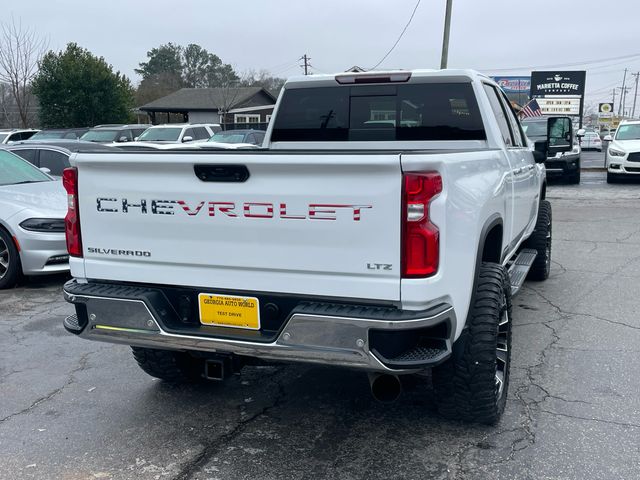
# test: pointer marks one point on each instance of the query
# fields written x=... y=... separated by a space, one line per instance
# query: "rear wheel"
x=472 y=385
x=169 y=365
x=9 y=261
x=540 y=240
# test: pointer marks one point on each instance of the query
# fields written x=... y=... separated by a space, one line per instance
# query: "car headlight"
x=47 y=225
x=616 y=153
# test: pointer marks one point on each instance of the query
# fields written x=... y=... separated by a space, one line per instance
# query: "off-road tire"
x=540 y=241
x=9 y=273
x=466 y=384
x=169 y=365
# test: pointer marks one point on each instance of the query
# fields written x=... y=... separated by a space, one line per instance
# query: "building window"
x=268 y=118
x=246 y=118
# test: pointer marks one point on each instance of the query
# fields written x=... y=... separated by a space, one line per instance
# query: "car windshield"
x=227 y=137
x=535 y=129
x=100 y=136
x=170 y=134
x=15 y=170
x=628 y=132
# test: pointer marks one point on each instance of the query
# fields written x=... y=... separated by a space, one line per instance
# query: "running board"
x=520 y=268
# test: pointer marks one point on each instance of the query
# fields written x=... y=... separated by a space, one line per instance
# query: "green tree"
x=170 y=67
x=75 y=88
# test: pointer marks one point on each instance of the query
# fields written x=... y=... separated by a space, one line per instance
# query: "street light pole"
x=445 y=40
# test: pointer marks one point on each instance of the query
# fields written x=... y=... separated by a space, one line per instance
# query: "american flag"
x=531 y=109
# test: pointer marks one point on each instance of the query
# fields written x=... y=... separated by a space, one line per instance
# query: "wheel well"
x=492 y=249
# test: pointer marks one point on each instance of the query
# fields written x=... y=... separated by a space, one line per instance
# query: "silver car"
x=32 y=211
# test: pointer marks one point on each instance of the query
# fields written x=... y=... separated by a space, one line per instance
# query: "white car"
x=591 y=141
x=16 y=135
x=623 y=154
x=179 y=132
x=32 y=226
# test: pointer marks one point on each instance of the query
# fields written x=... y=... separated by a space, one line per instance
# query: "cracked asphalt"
x=72 y=409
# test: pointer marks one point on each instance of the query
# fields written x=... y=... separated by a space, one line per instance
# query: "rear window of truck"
x=428 y=111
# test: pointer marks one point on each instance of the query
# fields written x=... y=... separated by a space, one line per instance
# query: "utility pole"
x=624 y=80
x=306 y=65
x=614 y=97
x=445 y=40
x=624 y=101
x=635 y=95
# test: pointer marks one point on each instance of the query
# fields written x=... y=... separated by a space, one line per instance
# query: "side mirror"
x=187 y=139
x=540 y=151
x=580 y=133
x=608 y=138
x=559 y=135
x=123 y=139
x=45 y=170
x=135 y=139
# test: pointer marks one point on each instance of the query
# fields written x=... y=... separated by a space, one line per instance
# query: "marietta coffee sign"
x=557 y=83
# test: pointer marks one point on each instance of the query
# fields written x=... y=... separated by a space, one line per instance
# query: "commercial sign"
x=605 y=110
x=559 y=105
x=557 y=83
x=514 y=84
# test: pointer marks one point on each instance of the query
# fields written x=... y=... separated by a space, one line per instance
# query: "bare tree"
x=20 y=51
x=229 y=95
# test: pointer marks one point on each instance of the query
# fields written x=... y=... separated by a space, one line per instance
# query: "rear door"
x=323 y=224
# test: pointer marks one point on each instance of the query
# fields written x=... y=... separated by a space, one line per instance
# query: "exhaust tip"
x=385 y=388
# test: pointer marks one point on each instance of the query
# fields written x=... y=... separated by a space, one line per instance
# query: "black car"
x=60 y=134
x=566 y=165
x=52 y=155
x=253 y=137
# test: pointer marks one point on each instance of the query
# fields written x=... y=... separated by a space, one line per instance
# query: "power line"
x=560 y=65
x=400 y=37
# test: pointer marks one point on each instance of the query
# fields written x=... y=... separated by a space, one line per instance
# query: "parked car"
x=114 y=134
x=179 y=132
x=251 y=137
x=52 y=155
x=32 y=210
x=565 y=165
x=623 y=153
x=392 y=249
x=16 y=135
x=132 y=146
x=591 y=141
x=60 y=134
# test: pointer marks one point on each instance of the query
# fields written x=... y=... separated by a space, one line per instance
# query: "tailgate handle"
x=222 y=173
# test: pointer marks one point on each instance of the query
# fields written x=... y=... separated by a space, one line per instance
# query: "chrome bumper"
x=306 y=337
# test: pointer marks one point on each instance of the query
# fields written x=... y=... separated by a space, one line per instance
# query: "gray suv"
x=109 y=134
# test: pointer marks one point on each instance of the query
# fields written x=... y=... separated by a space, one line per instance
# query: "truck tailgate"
x=315 y=223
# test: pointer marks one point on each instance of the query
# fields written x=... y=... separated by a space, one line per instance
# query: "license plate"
x=229 y=311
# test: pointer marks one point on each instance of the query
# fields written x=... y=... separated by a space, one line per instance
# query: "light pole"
x=445 y=40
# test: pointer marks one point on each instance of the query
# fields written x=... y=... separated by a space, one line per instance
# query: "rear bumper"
x=379 y=339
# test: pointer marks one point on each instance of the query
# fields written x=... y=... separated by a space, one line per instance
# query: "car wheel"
x=169 y=365
x=472 y=384
x=9 y=261
x=540 y=241
x=612 y=178
x=574 y=178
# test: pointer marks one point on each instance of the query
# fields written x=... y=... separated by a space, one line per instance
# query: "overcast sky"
x=258 y=34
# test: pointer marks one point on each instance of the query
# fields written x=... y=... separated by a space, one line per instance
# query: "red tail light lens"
x=420 y=237
x=72 y=219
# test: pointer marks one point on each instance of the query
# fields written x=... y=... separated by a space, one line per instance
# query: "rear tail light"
x=72 y=220
x=420 y=237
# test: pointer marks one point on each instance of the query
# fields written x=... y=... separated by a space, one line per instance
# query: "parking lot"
x=73 y=409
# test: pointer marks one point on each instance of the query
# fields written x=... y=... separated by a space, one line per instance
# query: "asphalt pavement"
x=72 y=409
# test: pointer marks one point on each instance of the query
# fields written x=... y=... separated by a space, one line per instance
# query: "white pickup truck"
x=384 y=227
